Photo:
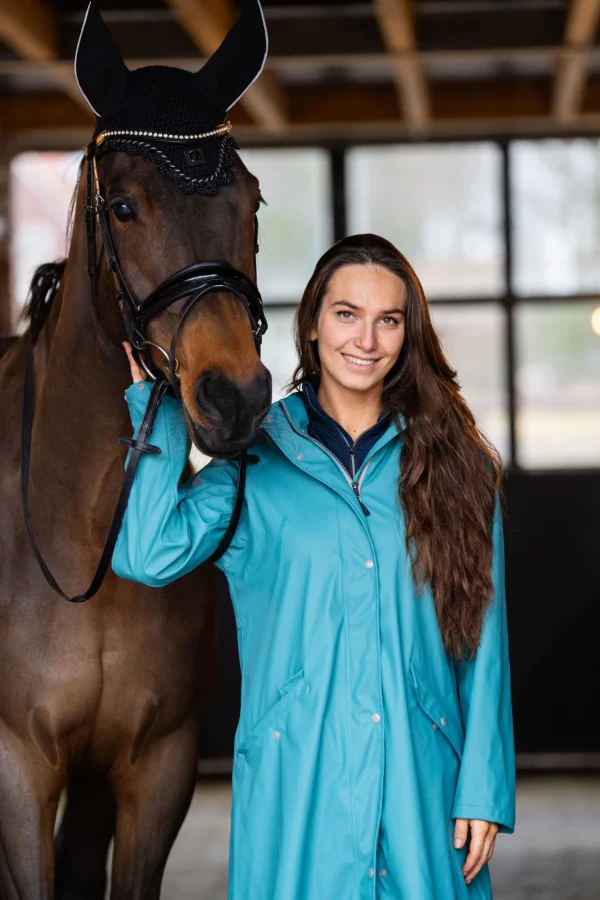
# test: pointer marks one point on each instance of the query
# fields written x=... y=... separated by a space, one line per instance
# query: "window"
x=41 y=187
x=296 y=226
x=556 y=230
x=443 y=206
x=440 y=205
x=472 y=338
x=558 y=384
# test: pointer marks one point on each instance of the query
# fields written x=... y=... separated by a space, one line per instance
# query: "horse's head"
x=171 y=201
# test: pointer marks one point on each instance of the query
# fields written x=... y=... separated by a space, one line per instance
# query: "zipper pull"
x=356 y=490
x=352 y=452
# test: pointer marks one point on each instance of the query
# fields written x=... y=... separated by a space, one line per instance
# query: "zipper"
x=355 y=485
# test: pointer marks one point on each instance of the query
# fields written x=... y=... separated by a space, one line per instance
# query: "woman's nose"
x=367 y=339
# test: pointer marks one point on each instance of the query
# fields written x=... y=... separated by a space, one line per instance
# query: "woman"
x=374 y=753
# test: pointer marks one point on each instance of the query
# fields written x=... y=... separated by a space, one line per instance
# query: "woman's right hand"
x=137 y=373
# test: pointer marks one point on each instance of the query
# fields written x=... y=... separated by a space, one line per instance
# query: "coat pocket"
x=270 y=721
x=443 y=713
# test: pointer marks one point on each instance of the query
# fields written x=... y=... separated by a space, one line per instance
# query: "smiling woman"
x=367 y=579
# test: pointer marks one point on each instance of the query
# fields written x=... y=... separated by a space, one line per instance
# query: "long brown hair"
x=449 y=472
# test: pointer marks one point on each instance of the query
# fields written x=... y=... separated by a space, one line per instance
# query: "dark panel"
x=553 y=589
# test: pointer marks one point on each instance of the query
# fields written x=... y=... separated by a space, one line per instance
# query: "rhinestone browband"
x=222 y=129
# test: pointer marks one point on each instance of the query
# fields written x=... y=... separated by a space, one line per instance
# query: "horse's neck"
x=80 y=409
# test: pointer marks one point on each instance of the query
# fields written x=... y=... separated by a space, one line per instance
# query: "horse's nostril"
x=223 y=403
x=205 y=393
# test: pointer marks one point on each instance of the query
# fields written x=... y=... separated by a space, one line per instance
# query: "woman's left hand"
x=481 y=849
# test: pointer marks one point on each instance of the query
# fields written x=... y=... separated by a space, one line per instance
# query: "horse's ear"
x=238 y=62
x=99 y=68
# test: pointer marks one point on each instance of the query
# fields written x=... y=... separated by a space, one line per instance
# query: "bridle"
x=193 y=282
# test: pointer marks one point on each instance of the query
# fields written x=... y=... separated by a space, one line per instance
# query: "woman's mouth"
x=358 y=362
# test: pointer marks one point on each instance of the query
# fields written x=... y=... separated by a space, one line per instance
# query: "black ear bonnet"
x=166 y=115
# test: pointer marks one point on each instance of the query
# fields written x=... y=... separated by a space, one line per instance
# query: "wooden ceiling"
x=343 y=70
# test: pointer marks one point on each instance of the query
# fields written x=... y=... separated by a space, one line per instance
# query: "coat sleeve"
x=169 y=529
x=486 y=782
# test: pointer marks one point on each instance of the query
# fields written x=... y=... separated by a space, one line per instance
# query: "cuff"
x=504 y=820
x=137 y=396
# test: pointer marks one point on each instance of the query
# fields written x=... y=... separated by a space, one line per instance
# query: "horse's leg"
x=84 y=837
x=30 y=787
x=153 y=796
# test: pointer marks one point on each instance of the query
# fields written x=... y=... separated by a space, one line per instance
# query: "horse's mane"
x=42 y=291
x=46 y=278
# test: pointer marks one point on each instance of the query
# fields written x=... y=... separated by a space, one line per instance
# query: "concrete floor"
x=553 y=855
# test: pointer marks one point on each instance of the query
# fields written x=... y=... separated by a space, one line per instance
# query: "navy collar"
x=329 y=424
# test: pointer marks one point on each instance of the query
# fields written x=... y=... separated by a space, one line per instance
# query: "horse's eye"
x=123 y=212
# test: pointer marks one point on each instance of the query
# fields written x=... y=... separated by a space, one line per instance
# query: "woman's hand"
x=481 y=849
x=137 y=373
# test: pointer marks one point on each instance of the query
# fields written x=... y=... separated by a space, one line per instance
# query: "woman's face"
x=360 y=327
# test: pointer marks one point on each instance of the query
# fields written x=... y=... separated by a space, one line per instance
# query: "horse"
x=105 y=698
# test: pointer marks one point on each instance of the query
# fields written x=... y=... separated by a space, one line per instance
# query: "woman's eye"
x=389 y=320
x=123 y=212
x=343 y=313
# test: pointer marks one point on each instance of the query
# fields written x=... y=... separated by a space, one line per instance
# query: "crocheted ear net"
x=166 y=101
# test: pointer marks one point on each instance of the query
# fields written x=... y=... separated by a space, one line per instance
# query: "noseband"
x=193 y=282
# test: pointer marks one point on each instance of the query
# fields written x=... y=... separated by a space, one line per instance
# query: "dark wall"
x=552 y=540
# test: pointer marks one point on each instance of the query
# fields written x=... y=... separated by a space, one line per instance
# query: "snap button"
x=435 y=727
x=369 y=564
x=443 y=721
x=141 y=387
x=276 y=735
x=299 y=456
x=383 y=872
x=376 y=718
x=269 y=419
x=371 y=872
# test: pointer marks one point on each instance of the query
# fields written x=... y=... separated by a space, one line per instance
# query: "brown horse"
x=105 y=697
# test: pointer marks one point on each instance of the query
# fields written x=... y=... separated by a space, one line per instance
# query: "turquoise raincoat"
x=360 y=739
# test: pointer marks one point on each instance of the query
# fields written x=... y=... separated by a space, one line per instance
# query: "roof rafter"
x=580 y=30
x=207 y=22
x=396 y=21
x=29 y=28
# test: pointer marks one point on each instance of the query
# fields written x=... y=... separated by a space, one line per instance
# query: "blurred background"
x=466 y=132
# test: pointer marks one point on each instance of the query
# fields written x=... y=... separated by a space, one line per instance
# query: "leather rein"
x=193 y=282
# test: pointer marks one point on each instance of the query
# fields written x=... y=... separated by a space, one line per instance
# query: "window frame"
x=508 y=301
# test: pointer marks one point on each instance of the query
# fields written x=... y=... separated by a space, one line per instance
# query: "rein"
x=193 y=282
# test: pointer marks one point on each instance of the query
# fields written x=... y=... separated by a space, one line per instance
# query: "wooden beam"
x=355 y=105
x=580 y=31
x=207 y=22
x=29 y=28
x=282 y=64
x=341 y=112
x=396 y=21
